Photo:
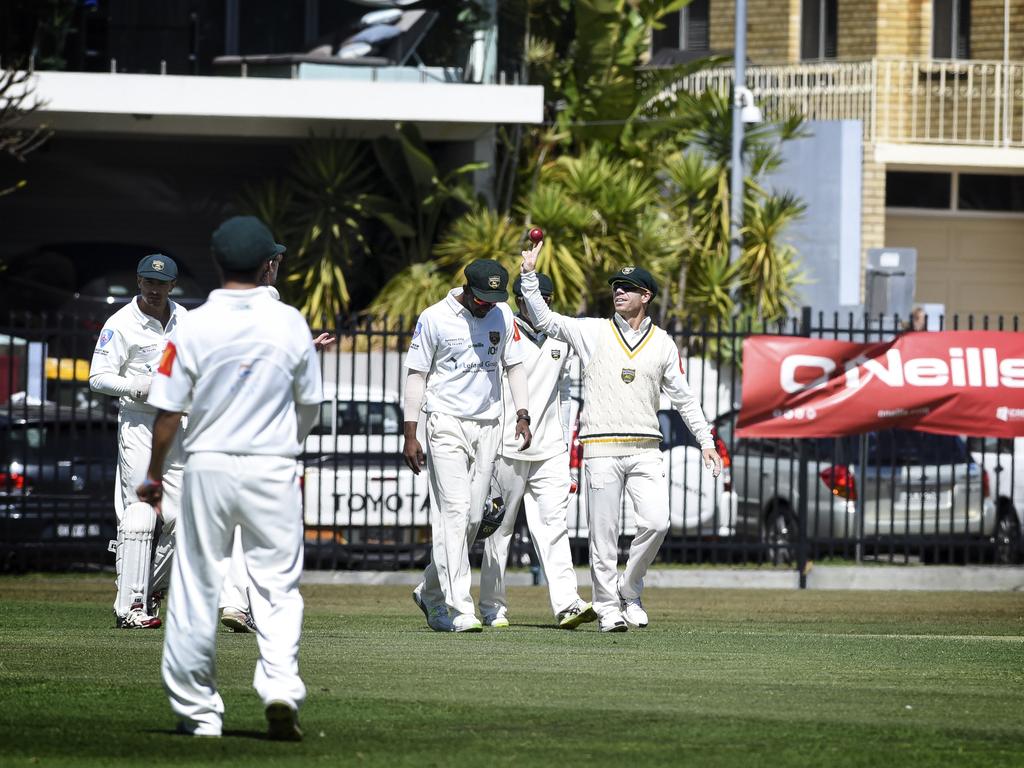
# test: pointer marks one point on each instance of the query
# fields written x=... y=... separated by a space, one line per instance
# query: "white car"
x=701 y=506
x=361 y=504
x=1003 y=460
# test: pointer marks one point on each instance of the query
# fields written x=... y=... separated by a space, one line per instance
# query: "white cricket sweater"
x=622 y=390
x=547 y=366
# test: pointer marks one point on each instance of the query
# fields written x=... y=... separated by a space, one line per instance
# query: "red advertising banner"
x=949 y=382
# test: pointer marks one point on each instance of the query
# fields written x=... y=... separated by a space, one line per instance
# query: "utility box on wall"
x=890 y=279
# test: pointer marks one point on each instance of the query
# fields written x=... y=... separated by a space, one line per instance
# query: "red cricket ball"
x=536 y=234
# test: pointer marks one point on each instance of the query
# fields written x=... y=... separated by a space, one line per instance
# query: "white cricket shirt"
x=463 y=357
x=547 y=374
x=239 y=364
x=130 y=344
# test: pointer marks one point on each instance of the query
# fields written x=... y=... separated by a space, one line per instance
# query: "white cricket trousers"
x=460 y=457
x=642 y=476
x=260 y=494
x=543 y=488
x=134 y=447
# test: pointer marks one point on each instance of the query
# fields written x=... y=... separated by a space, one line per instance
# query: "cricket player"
x=244 y=368
x=538 y=477
x=459 y=349
x=123 y=364
x=627 y=363
x=235 y=609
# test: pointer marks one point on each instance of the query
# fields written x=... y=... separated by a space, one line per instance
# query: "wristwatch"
x=523 y=416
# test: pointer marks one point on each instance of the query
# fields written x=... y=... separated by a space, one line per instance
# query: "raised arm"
x=569 y=329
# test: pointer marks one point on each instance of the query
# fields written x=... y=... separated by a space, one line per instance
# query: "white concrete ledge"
x=86 y=102
x=892 y=577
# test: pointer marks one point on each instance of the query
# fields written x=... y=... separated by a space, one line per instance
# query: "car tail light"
x=839 y=480
x=11 y=481
x=986 y=489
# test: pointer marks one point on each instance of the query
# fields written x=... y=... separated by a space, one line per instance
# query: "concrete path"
x=938 y=578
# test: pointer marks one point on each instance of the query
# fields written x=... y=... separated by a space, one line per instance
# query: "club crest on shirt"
x=494 y=337
x=105 y=336
x=555 y=354
x=628 y=374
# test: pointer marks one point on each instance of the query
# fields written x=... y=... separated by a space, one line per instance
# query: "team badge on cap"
x=555 y=354
x=627 y=270
x=157 y=265
x=493 y=282
x=628 y=374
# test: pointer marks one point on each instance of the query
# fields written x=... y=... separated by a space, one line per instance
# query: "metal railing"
x=927 y=101
x=364 y=510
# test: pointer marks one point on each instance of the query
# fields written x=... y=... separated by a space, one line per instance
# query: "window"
x=905 y=189
x=989 y=192
x=951 y=29
x=688 y=30
x=819 y=29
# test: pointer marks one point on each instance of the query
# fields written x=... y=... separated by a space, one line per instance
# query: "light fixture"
x=749 y=111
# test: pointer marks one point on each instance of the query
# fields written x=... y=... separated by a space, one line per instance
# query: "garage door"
x=971 y=265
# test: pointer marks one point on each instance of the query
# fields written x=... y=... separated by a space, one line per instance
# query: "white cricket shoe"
x=579 y=612
x=137 y=618
x=436 y=615
x=237 y=621
x=612 y=622
x=467 y=622
x=498 y=619
x=633 y=612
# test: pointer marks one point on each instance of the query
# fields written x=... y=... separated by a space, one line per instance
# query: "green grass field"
x=720 y=678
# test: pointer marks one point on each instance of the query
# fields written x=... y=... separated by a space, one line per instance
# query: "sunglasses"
x=627 y=287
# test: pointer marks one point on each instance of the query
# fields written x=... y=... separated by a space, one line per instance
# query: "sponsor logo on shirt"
x=167 y=359
x=418 y=330
x=628 y=374
x=105 y=336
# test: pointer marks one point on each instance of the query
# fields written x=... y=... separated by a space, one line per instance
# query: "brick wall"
x=857 y=29
x=773 y=29
x=987 y=29
x=872 y=222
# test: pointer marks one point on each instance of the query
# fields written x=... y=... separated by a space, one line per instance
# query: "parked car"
x=700 y=505
x=57 y=470
x=1003 y=460
x=916 y=492
x=362 y=505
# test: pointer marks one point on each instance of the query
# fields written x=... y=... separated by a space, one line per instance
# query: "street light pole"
x=736 y=173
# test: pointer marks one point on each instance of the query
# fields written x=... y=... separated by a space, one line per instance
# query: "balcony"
x=965 y=103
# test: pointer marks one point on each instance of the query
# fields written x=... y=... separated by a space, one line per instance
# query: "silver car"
x=892 y=492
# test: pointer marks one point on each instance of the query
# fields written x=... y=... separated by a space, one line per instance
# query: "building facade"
x=939 y=88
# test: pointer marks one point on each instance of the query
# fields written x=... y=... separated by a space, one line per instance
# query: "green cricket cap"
x=242 y=243
x=156 y=266
x=488 y=280
x=637 y=276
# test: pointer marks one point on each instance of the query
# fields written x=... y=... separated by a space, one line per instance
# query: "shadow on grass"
x=234 y=732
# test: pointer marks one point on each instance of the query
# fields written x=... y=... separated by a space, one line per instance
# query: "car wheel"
x=1006 y=539
x=778 y=535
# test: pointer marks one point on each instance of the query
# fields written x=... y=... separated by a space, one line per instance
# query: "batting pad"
x=137 y=525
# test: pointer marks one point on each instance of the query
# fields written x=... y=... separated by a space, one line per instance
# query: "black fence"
x=891 y=496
